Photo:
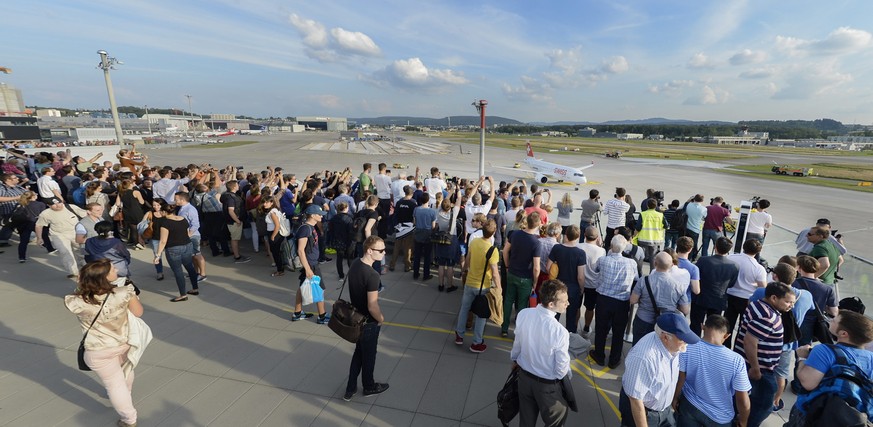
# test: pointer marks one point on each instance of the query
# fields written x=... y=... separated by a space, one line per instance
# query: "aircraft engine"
x=542 y=179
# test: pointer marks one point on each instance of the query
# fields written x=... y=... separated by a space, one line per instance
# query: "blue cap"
x=314 y=210
x=676 y=324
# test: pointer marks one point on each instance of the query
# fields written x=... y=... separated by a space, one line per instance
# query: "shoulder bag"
x=507 y=398
x=81 y=353
x=345 y=320
x=821 y=327
x=652 y=297
x=480 y=305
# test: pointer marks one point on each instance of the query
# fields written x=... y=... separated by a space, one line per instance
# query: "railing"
x=857 y=272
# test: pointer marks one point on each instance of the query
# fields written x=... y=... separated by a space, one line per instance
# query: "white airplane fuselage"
x=547 y=171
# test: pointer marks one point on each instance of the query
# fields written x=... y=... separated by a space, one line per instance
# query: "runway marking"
x=439 y=330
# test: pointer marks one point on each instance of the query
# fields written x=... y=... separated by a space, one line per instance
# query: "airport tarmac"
x=232 y=357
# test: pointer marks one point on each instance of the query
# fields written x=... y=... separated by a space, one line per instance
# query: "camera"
x=659 y=196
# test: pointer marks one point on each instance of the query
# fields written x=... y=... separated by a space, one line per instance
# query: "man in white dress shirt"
x=541 y=351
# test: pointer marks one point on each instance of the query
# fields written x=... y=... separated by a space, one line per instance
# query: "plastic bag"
x=306 y=292
x=317 y=291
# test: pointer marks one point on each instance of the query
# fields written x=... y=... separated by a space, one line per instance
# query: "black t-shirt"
x=177 y=232
x=231 y=200
x=341 y=230
x=312 y=253
x=370 y=213
x=525 y=247
x=362 y=279
x=717 y=274
x=568 y=260
x=403 y=209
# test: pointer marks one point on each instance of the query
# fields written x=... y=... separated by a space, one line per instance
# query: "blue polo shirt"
x=709 y=386
x=693 y=271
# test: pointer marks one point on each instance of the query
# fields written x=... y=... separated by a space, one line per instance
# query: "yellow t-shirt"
x=478 y=249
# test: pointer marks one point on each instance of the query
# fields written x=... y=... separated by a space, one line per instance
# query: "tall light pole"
x=148 y=120
x=191 y=114
x=480 y=107
x=107 y=63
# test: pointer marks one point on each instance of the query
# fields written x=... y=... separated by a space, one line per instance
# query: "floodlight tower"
x=108 y=63
x=480 y=107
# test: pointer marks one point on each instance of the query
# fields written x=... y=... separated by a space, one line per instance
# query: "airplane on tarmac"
x=547 y=171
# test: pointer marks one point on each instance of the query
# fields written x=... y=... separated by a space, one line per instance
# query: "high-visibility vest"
x=652 y=230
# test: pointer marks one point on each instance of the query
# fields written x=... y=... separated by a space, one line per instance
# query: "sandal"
x=194 y=292
x=180 y=299
x=277 y=273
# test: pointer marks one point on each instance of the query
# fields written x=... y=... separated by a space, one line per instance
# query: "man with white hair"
x=398 y=183
x=616 y=275
x=658 y=293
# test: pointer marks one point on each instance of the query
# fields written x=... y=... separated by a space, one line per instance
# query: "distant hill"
x=427 y=121
x=651 y=121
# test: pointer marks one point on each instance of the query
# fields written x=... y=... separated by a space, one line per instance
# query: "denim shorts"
x=195 y=240
x=782 y=368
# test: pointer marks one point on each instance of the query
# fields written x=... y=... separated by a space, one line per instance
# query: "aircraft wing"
x=587 y=166
x=516 y=169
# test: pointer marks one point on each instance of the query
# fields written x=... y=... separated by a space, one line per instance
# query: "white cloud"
x=809 y=81
x=700 y=60
x=327 y=101
x=758 y=73
x=615 y=65
x=840 y=41
x=324 y=46
x=671 y=88
x=412 y=73
x=567 y=69
x=748 y=56
x=354 y=42
x=530 y=90
x=709 y=96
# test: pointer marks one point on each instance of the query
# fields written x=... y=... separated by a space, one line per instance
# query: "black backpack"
x=680 y=220
x=358 y=224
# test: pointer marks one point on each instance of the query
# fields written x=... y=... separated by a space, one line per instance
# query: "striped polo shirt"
x=764 y=323
x=713 y=374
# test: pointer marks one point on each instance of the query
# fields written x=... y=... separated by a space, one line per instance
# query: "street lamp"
x=480 y=107
x=191 y=114
x=108 y=63
x=148 y=120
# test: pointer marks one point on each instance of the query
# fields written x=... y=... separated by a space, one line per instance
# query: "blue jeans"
x=670 y=239
x=159 y=267
x=583 y=225
x=466 y=302
x=689 y=416
x=364 y=358
x=179 y=257
x=761 y=396
x=708 y=236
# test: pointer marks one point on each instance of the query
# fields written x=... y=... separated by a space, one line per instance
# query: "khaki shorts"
x=235 y=231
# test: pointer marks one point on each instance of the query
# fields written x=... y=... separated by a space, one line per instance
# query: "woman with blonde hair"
x=94 y=194
x=102 y=309
x=565 y=208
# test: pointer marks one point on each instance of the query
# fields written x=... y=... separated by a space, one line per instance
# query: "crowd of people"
x=662 y=277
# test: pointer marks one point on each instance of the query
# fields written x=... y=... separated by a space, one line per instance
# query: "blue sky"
x=533 y=61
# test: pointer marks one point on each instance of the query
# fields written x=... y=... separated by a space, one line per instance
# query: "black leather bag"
x=507 y=398
x=480 y=306
x=81 y=353
x=345 y=320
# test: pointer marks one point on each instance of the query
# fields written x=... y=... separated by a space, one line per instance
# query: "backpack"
x=680 y=220
x=843 y=397
x=633 y=255
x=19 y=216
x=358 y=224
x=284 y=225
x=78 y=196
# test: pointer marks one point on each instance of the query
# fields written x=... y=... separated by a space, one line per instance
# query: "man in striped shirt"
x=615 y=210
x=760 y=341
x=711 y=376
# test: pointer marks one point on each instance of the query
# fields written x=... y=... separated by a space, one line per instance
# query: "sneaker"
x=504 y=334
x=779 y=406
x=139 y=247
x=23 y=260
x=349 y=394
x=53 y=252
x=323 y=320
x=201 y=279
x=377 y=389
x=478 y=348
x=241 y=260
x=459 y=340
x=121 y=423
x=160 y=276
x=300 y=316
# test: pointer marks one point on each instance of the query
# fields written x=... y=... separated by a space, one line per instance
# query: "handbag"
x=115 y=211
x=345 y=320
x=480 y=306
x=81 y=353
x=146 y=228
x=553 y=271
x=444 y=237
x=507 y=398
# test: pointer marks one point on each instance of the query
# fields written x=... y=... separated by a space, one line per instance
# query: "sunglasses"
x=381 y=251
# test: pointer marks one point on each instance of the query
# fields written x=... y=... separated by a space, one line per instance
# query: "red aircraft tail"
x=529 y=150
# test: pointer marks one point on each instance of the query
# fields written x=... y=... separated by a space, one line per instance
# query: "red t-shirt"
x=715 y=216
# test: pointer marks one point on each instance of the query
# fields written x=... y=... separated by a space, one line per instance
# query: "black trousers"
x=422 y=251
x=364 y=358
x=735 y=308
x=611 y=314
x=384 y=209
x=698 y=316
